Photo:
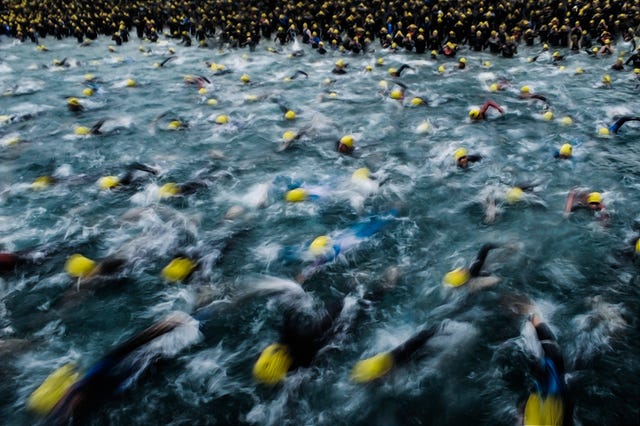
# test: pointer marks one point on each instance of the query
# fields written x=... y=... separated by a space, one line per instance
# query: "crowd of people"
x=441 y=26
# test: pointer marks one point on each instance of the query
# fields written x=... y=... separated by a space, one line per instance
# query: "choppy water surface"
x=575 y=269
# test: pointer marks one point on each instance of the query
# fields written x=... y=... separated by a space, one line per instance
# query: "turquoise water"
x=475 y=372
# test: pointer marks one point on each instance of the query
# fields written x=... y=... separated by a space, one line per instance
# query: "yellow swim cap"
x=320 y=245
x=392 y=71
x=562 y=68
x=296 y=195
x=474 y=113
x=379 y=61
x=594 y=197
x=273 y=364
x=178 y=269
x=347 y=140
x=566 y=120
x=606 y=79
x=514 y=195
x=636 y=70
x=212 y=102
x=372 y=368
x=368 y=68
x=41 y=182
x=340 y=63
x=545 y=46
x=87 y=91
x=525 y=89
x=462 y=61
x=361 y=173
x=579 y=70
x=82 y=130
x=245 y=78
x=566 y=150
x=288 y=136
x=222 y=119
x=638 y=246
x=441 y=69
x=89 y=77
x=51 y=391
x=290 y=115
x=459 y=153
x=417 y=101
x=396 y=94
x=73 y=101
x=548 y=116
x=494 y=87
x=556 y=54
x=78 y=266
x=168 y=190
x=108 y=182
x=487 y=64
x=457 y=277
x=130 y=82
x=174 y=125
x=603 y=131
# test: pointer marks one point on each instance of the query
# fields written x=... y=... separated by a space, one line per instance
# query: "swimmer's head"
x=108 y=182
x=245 y=78
x=290 y=115
x=603 y=131
x=168 y=190
x=566 y=120
x=494 y=87
x=638 y=246
x=73 y=102
x=417 y=101
x=320 y=245
x=474 y=114
x=272 y=365
x=457 y=277
x=606 y=79
x=594 y=198
x=462 y=60
x=130 y=82
x=525 y=89
x=296 y=195
x=78 y=266
x=288 y=136
x=347 y=140
x=514 y=195
x=566 y=150
x=222 y=119
x=87 y=91
x=178 y=269
x=548 y=116
x=396 y=94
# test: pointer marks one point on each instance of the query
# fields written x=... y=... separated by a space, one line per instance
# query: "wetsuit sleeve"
x=404 y=352
x=477 y=264
x=490 y=104
x=550 y=346
x=474 y=158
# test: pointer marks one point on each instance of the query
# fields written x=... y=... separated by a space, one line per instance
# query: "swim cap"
x=174 y=125
x=130 y=82
x=82 y=130
x=168 y=190
x=462 y=61
x=636 y=70
x=494 y=87
x=288 y=136
x=380 y=61
x=87 y=91
x=54 y=387
x=273 y=364
x=320 y=245
x=514 y=195
x=347 y=140
x=638 y=246
x=556 y=54
x=603 y=131
x=178 y=269
x=340 y=63
x=545 y=46
x=474 y=113
x=296 y=195
x=606 y=79
x=525 y=89
x=566 y=150
x=548 y=116
x=108 y=182
x=245 y=78
x=78 y=266
x=579 y=70
x=73 y=101
x=290 y=115
x=594 y=197
x=392 y=71
x=566 y=120
x=595 y=50
x=89 y=77
x=222 y=119
x=212 y=102
x=396 y=94
x=441 y=69
x=41 y=182
x=202 y=91
x=361 y=174
x=457 y=277
x=372 y=368
x=562 y=68
x=459 y=153
x=368 y=68
x=111 y=48
x=417 y=101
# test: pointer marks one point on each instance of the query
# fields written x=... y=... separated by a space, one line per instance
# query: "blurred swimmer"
x=583 y=199
x=480 y=113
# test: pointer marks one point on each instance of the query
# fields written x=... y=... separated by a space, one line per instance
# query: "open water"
x=577 y=270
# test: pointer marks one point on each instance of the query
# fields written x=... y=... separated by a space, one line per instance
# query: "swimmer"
x=345 y=145
x=379 y=365
x=74 y=105
x=339 y=67
x=462 y=64
x=564 y=153
x=550 y=403
x=297 y=73
x=396 y=73
x=618 y=65
x=196 y=80
x=525 y=93
x=472 y=277
x=163 y=63
x=583 y=199
x=619 y=122
x=172 y=189
x=463 y=158
x=129 y=178
x=480 y=113
x=93 y=130
x=88 y=271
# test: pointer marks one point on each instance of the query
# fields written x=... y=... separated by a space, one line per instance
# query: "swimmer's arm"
x=490 y=104
x=568 y=207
